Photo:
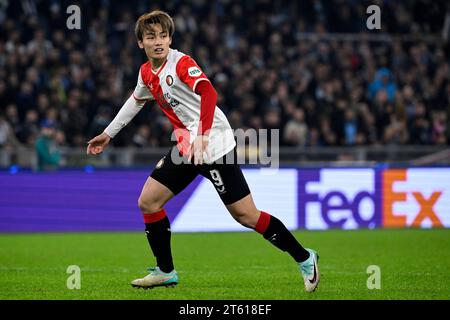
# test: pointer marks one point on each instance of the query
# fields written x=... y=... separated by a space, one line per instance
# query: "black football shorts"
x=227 y=179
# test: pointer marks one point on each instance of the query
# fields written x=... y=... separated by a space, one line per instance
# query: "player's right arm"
x=128 y=111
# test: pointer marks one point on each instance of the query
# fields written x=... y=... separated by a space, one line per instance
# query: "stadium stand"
x=309 y=68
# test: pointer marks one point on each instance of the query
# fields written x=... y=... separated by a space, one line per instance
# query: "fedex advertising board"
x=314 y=199
x=370 y=198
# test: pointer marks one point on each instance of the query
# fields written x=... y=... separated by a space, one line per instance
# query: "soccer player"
x=204 y=139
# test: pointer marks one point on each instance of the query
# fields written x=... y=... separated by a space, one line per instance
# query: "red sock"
x=154 y=217
x=263 y=222
x=276 y=232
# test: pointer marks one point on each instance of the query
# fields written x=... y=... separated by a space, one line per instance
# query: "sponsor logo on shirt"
x=194 y=72
x=166 y=101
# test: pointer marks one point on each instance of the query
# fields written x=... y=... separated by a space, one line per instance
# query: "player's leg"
x=154 y=196
x=272 y=229
x=232 y=187
x=168 y=179
x=245 y=212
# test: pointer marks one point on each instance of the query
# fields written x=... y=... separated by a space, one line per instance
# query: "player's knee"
x=247 y=219
x=148 y=205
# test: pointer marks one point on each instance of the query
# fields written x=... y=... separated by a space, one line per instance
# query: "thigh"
x=228 y=180
x=154 y=194
x=175 y=177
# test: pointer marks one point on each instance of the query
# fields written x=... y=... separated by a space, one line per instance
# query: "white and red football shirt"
x=173 y=87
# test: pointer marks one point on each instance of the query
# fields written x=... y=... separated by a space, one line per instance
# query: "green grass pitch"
x=414 y=264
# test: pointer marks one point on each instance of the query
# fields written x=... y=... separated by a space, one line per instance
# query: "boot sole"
x=169 y=285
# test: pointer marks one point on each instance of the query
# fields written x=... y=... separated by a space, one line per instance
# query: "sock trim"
x=154 y=216
x=263 y=222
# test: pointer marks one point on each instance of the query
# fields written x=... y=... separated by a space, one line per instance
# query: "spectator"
x=350 y=127
x=383 y=81
x=439 y=129
x=295 y=131
x=142 y=138
x=29 y=131
x=7 y=137
x=47 y=149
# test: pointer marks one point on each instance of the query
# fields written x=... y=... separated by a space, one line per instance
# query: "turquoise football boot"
x=310 y=271
x=156 y=278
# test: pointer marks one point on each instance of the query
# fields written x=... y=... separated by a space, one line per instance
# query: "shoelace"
x=152 y=270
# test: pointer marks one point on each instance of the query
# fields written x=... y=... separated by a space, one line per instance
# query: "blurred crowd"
x=267 y=74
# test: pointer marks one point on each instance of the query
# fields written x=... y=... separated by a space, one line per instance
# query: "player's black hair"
x=146 y=20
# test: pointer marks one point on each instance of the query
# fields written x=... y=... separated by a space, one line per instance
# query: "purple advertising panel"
x=76 y=201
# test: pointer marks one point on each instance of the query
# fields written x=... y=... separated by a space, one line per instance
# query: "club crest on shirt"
x=160 y=163
x=194 y=72
x=169 y=80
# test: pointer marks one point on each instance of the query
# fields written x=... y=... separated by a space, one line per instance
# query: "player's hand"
x=197 y=149
x=98 y=144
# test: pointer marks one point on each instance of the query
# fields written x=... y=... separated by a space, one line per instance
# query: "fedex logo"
x=338 y=198
x=368 y=198
x=416 y=197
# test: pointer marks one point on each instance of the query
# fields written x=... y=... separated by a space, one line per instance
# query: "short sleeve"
x=141 y=92
x=189 y=72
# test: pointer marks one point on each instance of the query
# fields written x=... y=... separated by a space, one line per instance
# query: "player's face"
x=156 y=42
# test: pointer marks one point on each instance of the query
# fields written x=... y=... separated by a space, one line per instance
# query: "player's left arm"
x=190 y=73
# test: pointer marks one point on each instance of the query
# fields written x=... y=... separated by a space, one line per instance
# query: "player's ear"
x=170 y=41
x=140 y=44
